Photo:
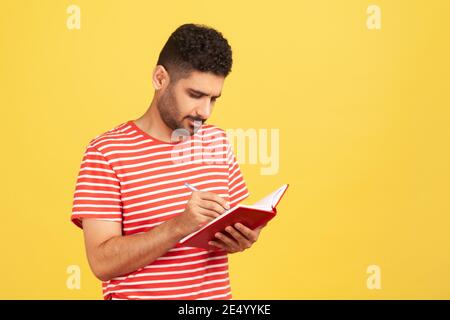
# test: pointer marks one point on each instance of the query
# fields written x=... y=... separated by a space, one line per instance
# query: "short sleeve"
x=97 y=191
x=237 y=188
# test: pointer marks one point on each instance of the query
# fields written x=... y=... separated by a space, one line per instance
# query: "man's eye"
x=195 y=96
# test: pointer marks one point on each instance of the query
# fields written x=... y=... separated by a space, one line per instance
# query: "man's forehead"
x=204 y=82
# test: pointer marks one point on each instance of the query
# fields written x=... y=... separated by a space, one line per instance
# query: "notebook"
x=251 y=216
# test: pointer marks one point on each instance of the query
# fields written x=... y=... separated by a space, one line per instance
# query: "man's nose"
x=204 y=110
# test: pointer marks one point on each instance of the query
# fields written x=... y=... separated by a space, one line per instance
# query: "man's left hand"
x=240 y=239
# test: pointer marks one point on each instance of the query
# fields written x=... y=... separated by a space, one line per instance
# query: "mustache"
x=196 y=119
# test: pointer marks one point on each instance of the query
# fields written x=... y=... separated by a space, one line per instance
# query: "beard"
x=171 y=116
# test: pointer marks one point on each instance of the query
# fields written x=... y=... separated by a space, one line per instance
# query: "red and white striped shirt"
x=132 y=178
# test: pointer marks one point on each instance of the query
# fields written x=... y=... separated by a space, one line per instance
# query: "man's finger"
x=247 y=232
x=239 y=237
x=209 y=213
x=211 y=205
x=227 y=241
x=217 y=244
x=211 y=196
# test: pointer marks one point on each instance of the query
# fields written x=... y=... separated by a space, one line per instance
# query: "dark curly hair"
x=196 y=47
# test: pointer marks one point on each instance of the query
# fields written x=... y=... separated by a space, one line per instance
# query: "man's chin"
x=188 y=129
x=193 y=128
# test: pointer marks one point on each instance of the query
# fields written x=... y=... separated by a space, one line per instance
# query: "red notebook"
x=251 y=216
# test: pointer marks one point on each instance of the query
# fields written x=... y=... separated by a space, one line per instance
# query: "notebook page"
x=278 y=194
x=270 y=200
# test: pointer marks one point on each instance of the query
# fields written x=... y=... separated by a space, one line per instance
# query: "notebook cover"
x=250 y=217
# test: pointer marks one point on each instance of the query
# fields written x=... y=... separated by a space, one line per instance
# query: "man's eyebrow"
x=200 y=93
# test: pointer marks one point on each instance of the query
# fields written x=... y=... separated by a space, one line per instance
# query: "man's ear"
x=160 y=77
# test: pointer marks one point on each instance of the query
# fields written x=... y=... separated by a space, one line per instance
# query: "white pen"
x=190 y=186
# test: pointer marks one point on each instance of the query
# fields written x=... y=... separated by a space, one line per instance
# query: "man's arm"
x=110 y=254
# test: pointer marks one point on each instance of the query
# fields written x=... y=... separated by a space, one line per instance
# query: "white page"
x=269 y=201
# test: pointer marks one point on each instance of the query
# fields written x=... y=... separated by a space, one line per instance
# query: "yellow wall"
x=364 y=136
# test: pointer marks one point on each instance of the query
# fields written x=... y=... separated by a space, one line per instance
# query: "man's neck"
x=151 y=123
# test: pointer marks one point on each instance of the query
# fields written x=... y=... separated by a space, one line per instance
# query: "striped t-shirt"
x=132 y=178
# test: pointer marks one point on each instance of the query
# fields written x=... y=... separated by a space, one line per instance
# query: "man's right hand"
x=201 y=208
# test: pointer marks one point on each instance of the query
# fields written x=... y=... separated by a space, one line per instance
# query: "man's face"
x=188 y=103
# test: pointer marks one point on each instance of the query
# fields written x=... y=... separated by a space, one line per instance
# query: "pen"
x=190 y=186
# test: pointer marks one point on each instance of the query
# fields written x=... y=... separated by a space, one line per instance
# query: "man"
x=130 y=198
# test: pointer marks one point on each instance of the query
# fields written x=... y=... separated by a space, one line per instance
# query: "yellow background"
x=364 y=136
